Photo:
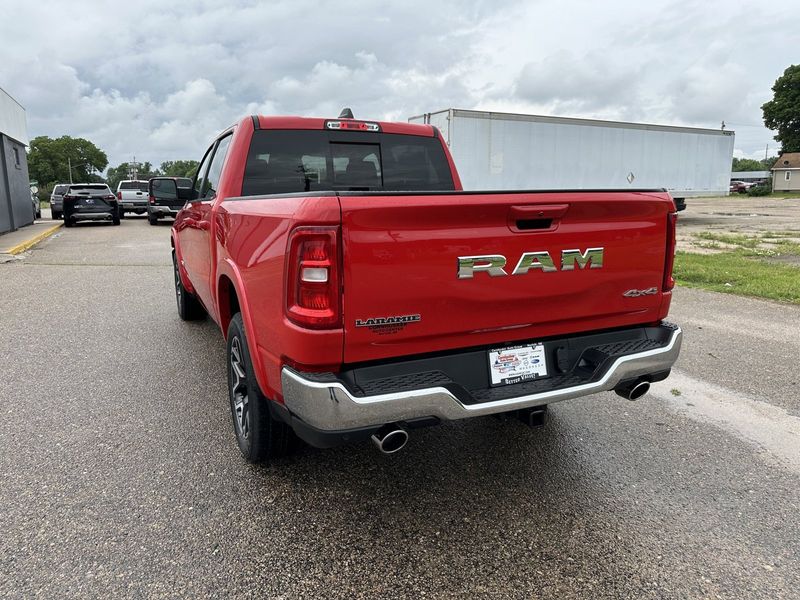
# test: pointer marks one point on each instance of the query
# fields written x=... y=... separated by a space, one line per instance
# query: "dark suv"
x=90 y=202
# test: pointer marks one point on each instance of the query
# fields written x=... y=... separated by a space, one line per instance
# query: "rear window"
x=60 y=189
x=133 y=185
x=90 y=188
x=286 y=161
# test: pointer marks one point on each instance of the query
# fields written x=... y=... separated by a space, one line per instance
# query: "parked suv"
x=56 y=199
x=90 y=202
x=132 y=196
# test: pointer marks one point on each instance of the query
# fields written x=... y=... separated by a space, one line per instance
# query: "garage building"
x=16 y=209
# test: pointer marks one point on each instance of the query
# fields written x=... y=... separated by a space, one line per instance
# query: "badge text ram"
x=494 y=264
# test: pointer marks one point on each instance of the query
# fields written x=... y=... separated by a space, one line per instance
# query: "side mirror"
x=186 y=194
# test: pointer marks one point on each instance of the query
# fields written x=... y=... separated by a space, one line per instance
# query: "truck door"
x=196 y=238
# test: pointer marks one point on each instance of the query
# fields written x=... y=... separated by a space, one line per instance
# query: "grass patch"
x=737 y=273
x=734 y=239
x=787 y=195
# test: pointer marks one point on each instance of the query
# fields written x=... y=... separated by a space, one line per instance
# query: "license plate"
x=515 y=365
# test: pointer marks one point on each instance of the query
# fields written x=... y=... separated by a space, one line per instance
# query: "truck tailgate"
x=406 y=292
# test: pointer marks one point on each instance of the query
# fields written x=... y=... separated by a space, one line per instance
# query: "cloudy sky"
x=159 y=79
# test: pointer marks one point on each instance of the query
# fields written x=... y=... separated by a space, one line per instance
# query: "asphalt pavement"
x=121 y=476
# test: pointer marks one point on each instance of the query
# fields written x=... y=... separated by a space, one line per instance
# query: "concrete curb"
x=29 y=243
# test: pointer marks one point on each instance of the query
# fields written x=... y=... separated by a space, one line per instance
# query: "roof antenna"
x=346 y=114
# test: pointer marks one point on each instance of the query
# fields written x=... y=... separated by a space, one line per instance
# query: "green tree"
x=782 y=113
x=178 y=168
x=116 y=174
x=746 y=164
x=49 y=159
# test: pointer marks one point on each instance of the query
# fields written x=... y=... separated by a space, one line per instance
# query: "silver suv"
x=57 y=200
x=132 y=196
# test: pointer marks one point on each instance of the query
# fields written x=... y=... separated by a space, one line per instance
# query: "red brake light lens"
x=669 y=263
x=347 y=125
x=119 y=195
x=313 y=287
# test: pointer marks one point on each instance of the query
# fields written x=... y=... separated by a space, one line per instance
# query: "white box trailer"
x=501 y=151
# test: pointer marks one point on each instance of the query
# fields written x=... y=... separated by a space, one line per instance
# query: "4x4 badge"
x=651 y=291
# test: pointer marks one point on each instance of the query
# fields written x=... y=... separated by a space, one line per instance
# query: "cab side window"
x=201 y=173
x=211 y=182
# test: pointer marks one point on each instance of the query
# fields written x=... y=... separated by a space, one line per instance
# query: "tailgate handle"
x=536 y=217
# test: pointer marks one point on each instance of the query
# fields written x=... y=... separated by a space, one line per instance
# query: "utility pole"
x=766 y=152
x=69 y=164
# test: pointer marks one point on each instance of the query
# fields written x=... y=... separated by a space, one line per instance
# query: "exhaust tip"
x=390 y=439
x=634 y=390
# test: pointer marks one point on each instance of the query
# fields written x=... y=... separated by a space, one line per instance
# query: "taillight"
x=669 y=281
x=313 y=287
x=152 y=199
x=119 y=195
x=111 y=197
x=352 y=126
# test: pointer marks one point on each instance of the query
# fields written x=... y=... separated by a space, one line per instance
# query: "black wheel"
x=56 y=215
x=38 y=214
x=152 y=219
x=260 y=437
x=68 y=222
x=121 y=213
x=189 y=308
x=116 y=216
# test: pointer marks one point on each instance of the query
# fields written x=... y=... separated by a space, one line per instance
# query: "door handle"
x=536 y=217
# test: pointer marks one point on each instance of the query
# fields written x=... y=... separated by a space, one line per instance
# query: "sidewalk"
x=24 y=238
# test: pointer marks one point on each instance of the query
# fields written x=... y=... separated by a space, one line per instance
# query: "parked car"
x=37 y=208
x=741 y=187
x=56 y=198
x=132 y=196
x=166 y=199
x=90 y=202
x=363 y=294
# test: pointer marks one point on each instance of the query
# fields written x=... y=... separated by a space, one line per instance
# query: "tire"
x=68 y=221
x=260 y=437
x=152 y=219
x=115 y=218
x=189 y=308
x=56 y=215
x=38 y=214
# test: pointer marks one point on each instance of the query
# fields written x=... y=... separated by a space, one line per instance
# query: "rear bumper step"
x=331 y=402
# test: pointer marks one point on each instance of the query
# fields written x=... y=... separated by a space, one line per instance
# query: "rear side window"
x=286 y=161
x=60 y=189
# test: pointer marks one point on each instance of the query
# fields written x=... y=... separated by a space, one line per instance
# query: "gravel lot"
x=121 y=475
x=737 y=214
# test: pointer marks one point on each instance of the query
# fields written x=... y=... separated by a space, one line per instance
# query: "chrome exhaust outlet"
x=390 y=438
x=633 y=390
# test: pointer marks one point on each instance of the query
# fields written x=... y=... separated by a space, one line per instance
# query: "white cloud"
x=158 y=80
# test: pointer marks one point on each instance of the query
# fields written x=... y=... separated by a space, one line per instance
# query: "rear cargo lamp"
x=313 y=286
x=669 y=262
x=352 y=126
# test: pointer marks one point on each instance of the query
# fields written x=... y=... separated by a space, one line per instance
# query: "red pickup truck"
x=363 y=294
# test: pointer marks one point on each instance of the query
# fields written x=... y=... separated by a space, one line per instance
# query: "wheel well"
x=228 y=302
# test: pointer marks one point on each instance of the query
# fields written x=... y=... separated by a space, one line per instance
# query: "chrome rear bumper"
x=330 y=406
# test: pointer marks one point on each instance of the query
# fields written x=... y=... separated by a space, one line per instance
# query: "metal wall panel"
x=495 y=151
x=12 y=118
